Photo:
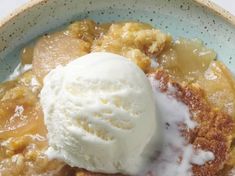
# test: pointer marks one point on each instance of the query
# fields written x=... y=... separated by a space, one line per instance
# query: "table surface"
x=7 y=7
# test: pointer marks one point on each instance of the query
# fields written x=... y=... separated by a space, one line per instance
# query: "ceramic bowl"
x=181 y=18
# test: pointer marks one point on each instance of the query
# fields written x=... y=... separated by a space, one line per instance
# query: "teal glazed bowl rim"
x=206 y=3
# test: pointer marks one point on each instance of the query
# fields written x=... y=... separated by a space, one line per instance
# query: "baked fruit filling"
x=202 y=83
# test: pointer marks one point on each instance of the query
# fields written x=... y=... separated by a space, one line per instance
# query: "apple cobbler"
x=202 y=83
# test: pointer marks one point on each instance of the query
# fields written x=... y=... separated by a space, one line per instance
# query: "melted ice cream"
x=175 y=146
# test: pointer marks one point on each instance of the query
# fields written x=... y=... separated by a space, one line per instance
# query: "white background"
x=7 y=6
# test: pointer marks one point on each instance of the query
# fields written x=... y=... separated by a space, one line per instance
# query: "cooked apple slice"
x=20 y=113
x=186 y=59
x=219 y=86
x=56 y=49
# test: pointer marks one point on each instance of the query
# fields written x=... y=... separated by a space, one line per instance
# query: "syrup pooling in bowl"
x=24 y=140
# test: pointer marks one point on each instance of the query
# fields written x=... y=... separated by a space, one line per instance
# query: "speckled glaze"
x=181 y=18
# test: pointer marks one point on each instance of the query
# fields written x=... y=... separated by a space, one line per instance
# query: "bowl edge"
x=19 y=10
x=218 y=10
x=206 y=3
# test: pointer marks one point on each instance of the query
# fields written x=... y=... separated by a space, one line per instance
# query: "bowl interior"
x=181 y=18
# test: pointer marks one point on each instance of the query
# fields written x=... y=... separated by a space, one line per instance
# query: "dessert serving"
x=119 y=98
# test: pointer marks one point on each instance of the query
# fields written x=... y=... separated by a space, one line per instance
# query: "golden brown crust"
x=138 y=42
x=214 y=130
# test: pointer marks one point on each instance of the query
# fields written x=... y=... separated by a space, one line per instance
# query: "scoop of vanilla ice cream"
x=100 y=114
